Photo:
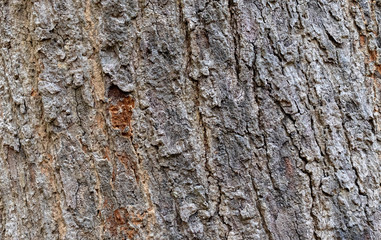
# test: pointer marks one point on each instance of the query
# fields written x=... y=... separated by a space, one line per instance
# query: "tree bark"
x=190 y=119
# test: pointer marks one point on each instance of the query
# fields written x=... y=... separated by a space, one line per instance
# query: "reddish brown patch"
x=122 y=222
x=121 y=110
x=362 y=40
x=373 y=55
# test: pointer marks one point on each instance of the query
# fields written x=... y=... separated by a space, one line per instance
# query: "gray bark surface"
x=190 y=119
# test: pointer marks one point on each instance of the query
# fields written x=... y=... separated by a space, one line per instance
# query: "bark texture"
x=190 y=119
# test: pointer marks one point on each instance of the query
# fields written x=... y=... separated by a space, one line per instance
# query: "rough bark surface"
x=190 y=119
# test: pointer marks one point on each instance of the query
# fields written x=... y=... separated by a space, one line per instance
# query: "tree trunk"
x=190 y=119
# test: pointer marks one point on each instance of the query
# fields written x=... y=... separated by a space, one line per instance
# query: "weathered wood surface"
x=190 y=119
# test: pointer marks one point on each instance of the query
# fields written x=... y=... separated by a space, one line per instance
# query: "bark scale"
x=163 y=119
